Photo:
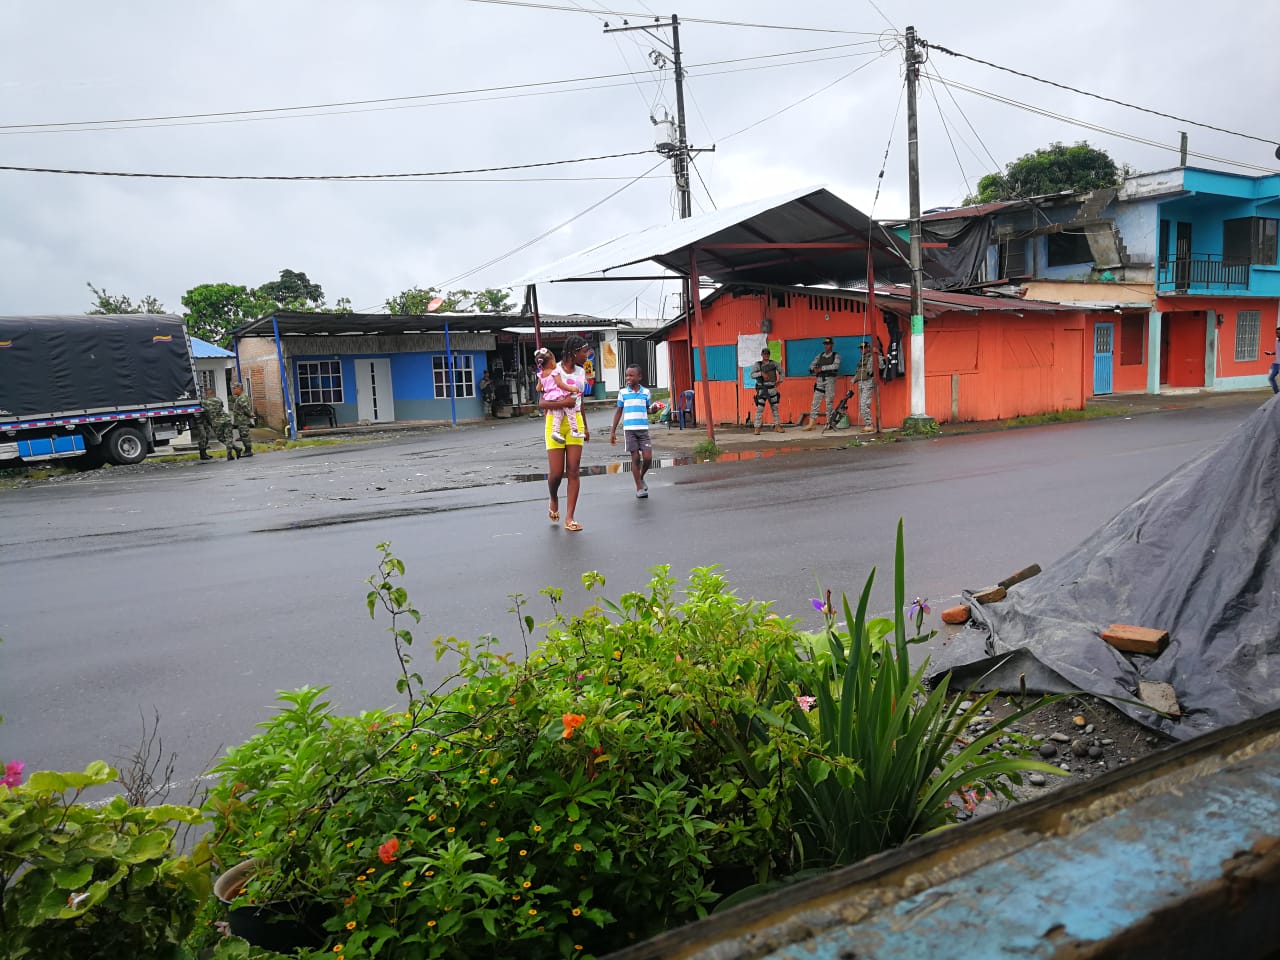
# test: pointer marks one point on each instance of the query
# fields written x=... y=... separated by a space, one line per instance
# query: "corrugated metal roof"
x=940 y=301
x=302 y=324
x=204 y=350
x=804 y=215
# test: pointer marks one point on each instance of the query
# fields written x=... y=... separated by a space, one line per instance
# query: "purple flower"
x=918 y=608
x=806 y=703
x=818 y=604
x=12 y=773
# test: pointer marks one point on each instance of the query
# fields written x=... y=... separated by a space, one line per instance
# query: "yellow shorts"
x=558 y=441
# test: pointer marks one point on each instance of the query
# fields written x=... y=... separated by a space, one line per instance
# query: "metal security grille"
x=1102 y=334
x=464 y=377
x=1248 y=323
x=319 y=381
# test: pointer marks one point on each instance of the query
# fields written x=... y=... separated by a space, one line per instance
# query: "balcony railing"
x=1204 y=270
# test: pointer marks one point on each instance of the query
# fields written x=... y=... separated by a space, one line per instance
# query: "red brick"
x=958 y=614
x=1131 y=639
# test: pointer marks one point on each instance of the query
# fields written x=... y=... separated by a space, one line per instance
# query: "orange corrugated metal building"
x=986 y=358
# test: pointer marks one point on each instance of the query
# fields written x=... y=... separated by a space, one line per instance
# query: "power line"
x=546 y=233
x=721 y=23
x=330 y=177
x=1096 y=96
x=946 y=128
x=704 y=184
x=1040 y=111
x=402 y=102
x=825 y=87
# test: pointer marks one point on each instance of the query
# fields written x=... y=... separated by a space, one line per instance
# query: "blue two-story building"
x=1185 y=259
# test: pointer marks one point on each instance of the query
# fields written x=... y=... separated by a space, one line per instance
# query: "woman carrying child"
x=564 y=453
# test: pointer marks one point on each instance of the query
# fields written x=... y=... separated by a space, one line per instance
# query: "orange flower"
x=572 y=721
x=387 y=852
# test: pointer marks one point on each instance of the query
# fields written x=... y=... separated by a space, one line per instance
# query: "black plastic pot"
x=284 y=927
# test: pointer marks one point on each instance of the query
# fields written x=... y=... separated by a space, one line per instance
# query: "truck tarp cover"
x=54 y=365
x=1198 y=555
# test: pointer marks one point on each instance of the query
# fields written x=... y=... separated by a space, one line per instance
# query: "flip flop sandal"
x=573 y=526
x=553 y=516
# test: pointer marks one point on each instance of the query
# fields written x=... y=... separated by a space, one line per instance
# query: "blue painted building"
x=327 y=369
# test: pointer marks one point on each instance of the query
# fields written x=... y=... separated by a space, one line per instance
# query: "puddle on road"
x=624 y=466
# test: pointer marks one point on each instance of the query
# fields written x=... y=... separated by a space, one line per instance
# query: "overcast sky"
x=81 y=61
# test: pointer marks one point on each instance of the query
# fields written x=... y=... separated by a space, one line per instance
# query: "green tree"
x=1054 y=169
x=109 y=303
x=215 y=309
x=417 y=300
x=293 y=291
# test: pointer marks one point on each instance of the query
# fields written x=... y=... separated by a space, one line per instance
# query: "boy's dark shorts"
x=638 y=441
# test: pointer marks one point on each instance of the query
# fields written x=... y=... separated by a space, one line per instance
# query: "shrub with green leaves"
x=600 y=787
x=83 y=881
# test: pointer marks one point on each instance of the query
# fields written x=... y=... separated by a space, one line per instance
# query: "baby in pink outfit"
x=557 y=386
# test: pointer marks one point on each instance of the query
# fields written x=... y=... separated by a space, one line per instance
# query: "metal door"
x=373 y=390
x=1103 y=338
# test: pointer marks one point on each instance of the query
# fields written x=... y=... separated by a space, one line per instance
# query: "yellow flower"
x=351 y=924
x=533 y=913
x=500 y=839
x=493 y=781
x=351 y=844
x=484 y=823
x=413 y=746
x=431 y=923
x=337 y=948
x=577 y=847
x=577 y=912
x=409 y=799
x=370 y=869
x=451 y=829
x=408 y=883
x=362 y=877
x=526 y=884
x=431 y=817
x=577 y=946
x=523 y=852
x=429 y=873
x=536 y=828
x=515 y=896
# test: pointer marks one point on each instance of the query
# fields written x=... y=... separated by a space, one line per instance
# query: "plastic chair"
x=684 y=409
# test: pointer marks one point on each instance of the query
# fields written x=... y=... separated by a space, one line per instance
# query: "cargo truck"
x=93 y=389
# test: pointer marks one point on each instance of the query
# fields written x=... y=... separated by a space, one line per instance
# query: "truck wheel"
x=125 y=445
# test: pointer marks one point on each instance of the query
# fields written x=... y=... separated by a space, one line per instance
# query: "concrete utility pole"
x=919 y=420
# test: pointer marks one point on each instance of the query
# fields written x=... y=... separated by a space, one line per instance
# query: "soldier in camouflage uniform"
x=212 y=421
x=243 y=416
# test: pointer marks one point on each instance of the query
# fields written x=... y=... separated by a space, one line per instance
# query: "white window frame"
x=319 y=381
x=1248 y=329
x=464 y=375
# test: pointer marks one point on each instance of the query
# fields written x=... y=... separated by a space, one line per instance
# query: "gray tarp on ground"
x=1195 y=555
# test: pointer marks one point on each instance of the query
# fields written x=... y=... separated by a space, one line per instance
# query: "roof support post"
x=537 y=322
x=453 y=377
x=284 y=382
x=696 y=303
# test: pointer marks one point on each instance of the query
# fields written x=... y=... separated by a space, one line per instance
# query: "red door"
x=1182 y=363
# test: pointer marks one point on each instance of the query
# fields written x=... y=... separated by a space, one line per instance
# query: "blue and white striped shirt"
x=635 y=408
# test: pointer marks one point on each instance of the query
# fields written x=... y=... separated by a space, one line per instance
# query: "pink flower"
x=387 y=852
x=12 y=773
x=806 y=703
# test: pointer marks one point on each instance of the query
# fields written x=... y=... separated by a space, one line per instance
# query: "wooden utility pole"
x=679 y=153
x=919 y=421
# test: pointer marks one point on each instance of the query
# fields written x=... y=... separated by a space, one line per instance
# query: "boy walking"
x=633 y=412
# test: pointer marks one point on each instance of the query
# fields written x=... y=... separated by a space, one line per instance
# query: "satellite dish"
x=435 y=304
x=1278 y=151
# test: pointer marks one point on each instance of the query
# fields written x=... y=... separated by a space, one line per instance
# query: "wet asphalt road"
x=198 y=590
